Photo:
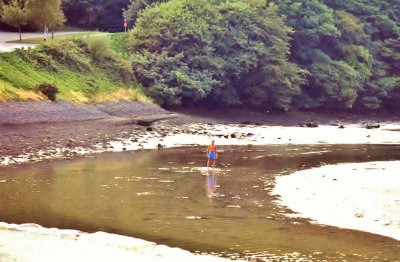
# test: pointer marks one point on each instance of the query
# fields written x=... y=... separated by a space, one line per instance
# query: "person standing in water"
x=212 y=154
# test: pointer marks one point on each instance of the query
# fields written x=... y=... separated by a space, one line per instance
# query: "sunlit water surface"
x=168 y=197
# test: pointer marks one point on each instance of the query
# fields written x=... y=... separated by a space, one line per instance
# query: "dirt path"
x=6 y=37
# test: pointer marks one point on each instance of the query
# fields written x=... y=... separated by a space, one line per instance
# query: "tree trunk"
x=20 y=34
x=52 y=32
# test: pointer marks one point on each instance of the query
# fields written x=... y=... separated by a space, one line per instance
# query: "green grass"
x=21 y=73
x=118 y=41
x=119 y=44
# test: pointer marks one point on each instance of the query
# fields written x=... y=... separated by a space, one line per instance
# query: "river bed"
x=168 y=197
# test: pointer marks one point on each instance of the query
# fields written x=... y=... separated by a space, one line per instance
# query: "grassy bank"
x=83 y=69
x=57 y=37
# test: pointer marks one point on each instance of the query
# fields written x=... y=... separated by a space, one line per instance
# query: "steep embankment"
x=88 y=69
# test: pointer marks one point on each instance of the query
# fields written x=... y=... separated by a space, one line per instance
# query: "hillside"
x=91 y=69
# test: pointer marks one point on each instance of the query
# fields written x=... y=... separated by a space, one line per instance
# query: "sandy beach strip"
x=32 y=243
x=359 y=196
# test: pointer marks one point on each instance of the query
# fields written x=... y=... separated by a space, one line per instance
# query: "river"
x=167 y=196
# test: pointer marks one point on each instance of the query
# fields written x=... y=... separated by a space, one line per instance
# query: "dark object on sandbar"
x=145 y=122
x=341 y=127
x=159 y=146
x=233 y=135
x=226 y=136
x=312 y=125
x=372 y=126
x=70 y=143
x=149 y=129
x=246 y=123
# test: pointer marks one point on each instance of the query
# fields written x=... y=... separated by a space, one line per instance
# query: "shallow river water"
x=167 y=196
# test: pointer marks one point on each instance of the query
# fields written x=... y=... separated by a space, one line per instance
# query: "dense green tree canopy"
x=270 y=54
x=229 y=52
x=342 y=44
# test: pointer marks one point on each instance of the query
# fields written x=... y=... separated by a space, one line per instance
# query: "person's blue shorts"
x=212 y=155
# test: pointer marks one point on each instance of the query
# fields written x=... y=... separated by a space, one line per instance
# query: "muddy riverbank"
x=46 y=130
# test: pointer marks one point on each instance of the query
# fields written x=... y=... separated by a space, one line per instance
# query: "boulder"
x=372 y=125
x=312 y=125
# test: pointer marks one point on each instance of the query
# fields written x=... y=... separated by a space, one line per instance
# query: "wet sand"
x=360 y=196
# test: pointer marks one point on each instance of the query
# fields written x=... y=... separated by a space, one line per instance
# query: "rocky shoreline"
x=32 y=127
x=32 y=131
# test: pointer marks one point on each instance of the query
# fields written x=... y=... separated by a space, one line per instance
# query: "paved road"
x=11 y=36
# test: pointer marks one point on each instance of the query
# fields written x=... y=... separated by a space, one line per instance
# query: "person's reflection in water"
x=211 y=185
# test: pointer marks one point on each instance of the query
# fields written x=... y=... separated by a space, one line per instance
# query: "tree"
x=1 y=8
x=15 y=15
x=46 y=14
x=338 y=84
x=57 y=22
x=227 y=52
x=95 y=14
x=135 y=6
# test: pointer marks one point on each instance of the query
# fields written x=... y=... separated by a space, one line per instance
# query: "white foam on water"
x=360 y=196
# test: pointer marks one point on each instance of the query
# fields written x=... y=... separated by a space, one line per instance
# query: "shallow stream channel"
x=168 y=196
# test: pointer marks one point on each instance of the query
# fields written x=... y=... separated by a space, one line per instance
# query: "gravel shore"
x=32 y=128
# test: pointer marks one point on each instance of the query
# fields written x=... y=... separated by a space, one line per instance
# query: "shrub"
x=48 y=90
x=70 y=53
x=119 y=44
x=98 y=48
x=44 y=61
